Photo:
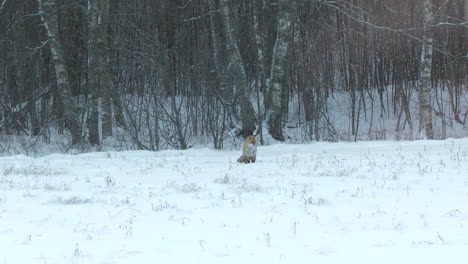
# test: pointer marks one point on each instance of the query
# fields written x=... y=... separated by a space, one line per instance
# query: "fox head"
x=252 y=139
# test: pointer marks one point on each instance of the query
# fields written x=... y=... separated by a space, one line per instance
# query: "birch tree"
x=261 y=28
x=235 y=70
x=114 y=64
x=286 y=9
x=106 y=77
x=31 y=69
x=425 y=84
x=466 y=38
x=98 y=70
x=48 y=13
x=3 y=6
x=466 y=20
x=93 y=71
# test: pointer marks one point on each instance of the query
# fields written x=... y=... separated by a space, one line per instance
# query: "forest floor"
x=365 y=202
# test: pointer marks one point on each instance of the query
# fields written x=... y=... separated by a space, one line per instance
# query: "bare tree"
x=238 y=73
x=48 y=13
x=99 y=73
x=232 y=70
x=174 y=73
x=278 y=72
x=425 y=80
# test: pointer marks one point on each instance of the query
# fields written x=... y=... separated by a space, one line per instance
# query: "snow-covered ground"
x=366 y=202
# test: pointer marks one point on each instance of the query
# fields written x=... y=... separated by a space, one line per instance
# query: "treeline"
x=161 y=73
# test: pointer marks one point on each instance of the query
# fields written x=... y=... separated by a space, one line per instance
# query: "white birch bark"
x=425 y=83
x=93 y=71
x=235 y=70
x=3 y=6
x=115 y=89
x=48 y=13
x=100 y=83
x=106 y=82
x=278 y=73
x=466 y=15
x=219 y=61
x=259 y=41
x=466 y=30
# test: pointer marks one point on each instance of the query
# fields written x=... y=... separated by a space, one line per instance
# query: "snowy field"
x=367 y=202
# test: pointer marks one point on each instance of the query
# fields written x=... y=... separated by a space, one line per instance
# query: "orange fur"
x=249 y=154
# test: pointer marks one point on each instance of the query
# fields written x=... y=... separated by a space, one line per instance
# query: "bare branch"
x=400 y=31
x=3 y=6
x=451 y=24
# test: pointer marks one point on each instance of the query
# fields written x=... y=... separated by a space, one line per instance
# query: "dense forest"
x=158 y=74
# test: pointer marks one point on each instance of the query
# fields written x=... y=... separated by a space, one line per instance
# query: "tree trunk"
x=259 y=31
x=278 y=72
x=237 y=71
x=114 y=63
x=425 y=84
x=12 y=90
x=12 y=70
x=100 y=84
x=466 y=21
x=219 y=60
x=106 y=82
x=3 y=6
x=264 y=27
x=94 y=73
x=466 y=42
x=31 y=80
x=48 y=13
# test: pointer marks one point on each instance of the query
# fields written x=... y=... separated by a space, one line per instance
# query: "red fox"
x=249 y=150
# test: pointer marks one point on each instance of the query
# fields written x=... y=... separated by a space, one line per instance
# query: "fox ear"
x=256 y=132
